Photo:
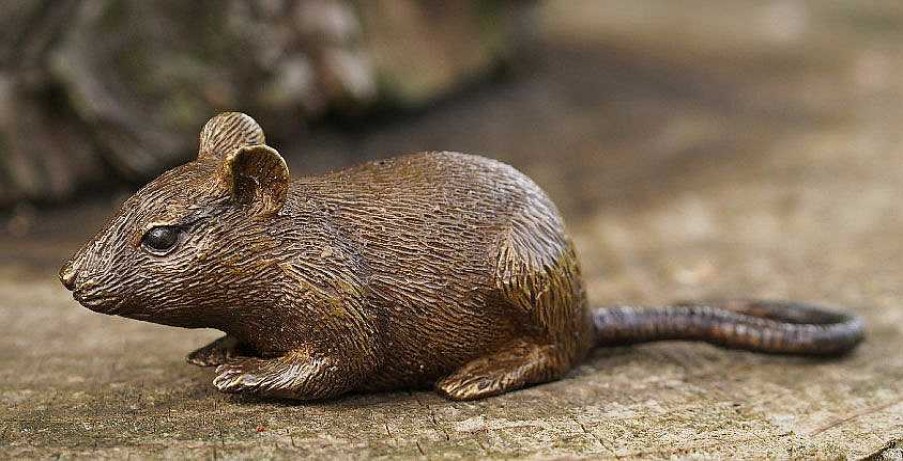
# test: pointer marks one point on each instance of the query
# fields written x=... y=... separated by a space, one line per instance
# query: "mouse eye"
x=160 y=239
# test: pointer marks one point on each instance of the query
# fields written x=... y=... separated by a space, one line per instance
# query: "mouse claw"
x=234 y=378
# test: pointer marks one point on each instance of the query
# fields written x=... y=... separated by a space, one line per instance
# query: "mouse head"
x=179 y=247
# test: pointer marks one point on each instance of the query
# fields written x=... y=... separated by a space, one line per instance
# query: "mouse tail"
x=775 y=327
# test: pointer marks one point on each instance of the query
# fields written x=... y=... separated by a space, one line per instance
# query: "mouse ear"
x=226 y=132
x=257 y=176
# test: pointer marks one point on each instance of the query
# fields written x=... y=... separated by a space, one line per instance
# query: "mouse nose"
x=67 y=276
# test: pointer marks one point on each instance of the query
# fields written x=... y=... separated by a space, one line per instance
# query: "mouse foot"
x=295 y=375
x=515 y=366
x=216 y=353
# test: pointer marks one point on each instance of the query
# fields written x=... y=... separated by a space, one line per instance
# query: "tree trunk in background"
x=111 y=90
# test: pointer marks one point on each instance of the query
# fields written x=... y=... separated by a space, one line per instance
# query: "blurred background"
x=696 y=148
x=101 y=93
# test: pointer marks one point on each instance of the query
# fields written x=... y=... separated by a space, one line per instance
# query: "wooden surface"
x=695 y=152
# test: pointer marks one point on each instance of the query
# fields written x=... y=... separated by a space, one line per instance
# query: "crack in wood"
x=846 y=419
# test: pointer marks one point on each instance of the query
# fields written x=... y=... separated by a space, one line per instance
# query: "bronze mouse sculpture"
x=435 y=268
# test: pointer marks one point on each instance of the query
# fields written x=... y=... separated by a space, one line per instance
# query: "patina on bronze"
x=432 y=269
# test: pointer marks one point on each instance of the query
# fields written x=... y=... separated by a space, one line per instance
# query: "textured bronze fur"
x=436 y=268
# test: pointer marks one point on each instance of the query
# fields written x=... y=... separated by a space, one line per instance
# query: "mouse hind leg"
x=518 y=364
x=538 y=276
x=539 y=280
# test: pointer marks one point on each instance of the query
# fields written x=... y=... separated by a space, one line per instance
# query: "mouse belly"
x=434 y=342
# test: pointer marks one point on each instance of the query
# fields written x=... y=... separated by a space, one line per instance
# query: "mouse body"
x=431 y=269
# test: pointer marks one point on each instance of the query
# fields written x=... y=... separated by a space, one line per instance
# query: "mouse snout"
x=68 y=274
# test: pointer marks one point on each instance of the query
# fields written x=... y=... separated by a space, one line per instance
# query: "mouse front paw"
x=293 y=376
x=238 y=376
x=216 y=353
